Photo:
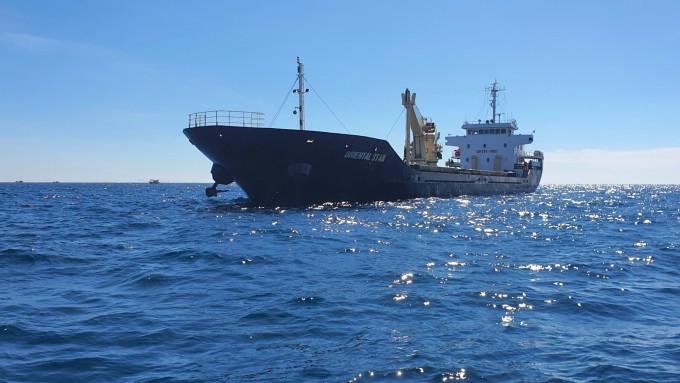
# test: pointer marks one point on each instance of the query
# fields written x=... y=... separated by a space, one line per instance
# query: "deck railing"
x=226 y=118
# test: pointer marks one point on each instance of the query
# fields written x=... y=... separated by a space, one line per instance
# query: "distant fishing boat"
x=279 y=167
x=154 y=181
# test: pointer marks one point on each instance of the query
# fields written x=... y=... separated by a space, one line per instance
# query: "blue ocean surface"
x=157 y=283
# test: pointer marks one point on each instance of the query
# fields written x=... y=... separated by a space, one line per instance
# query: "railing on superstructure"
x=226 y=118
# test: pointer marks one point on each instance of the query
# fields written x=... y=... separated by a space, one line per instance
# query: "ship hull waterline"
x=282 y=167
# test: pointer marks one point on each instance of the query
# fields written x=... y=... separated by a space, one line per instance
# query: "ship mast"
x=494 y=90
x=301 y=93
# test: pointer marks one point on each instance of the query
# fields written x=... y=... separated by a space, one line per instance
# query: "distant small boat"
x=153 y=181
x=19 y=181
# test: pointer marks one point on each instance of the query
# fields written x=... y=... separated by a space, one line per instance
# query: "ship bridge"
x=489 y=127
x=490 y=144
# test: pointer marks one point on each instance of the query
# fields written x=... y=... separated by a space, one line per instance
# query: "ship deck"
x=452 y=170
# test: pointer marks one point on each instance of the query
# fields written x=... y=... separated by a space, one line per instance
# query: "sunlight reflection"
x=411 y=373
x=406 y=278
x=400 y=297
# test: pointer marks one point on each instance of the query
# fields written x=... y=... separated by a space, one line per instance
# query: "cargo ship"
x=299 y=167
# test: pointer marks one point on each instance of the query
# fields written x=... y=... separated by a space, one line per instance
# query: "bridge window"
x=503 y=131
x=485 y=145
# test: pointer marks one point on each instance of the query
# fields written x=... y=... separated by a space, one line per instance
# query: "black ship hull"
x=280 y=167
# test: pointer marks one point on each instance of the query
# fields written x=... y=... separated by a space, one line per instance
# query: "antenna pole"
x=494 y=90
x=493 y=100
x=301 y=93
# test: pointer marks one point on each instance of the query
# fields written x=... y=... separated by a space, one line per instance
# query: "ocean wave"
x=116 y=282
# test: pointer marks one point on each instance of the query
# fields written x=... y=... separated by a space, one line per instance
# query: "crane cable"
x=395 y=122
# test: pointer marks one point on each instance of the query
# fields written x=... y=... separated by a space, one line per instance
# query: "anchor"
x=212 y=191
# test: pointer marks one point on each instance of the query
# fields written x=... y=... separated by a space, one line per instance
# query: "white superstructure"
x=491 y=145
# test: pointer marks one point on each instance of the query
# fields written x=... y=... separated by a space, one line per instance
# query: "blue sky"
x=101 y=90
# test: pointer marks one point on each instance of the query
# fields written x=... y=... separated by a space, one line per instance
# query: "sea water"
x=158 y=283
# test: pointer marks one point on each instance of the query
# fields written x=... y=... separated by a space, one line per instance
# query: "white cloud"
x=30 y=42
x=599 y=166
x=46 y=45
